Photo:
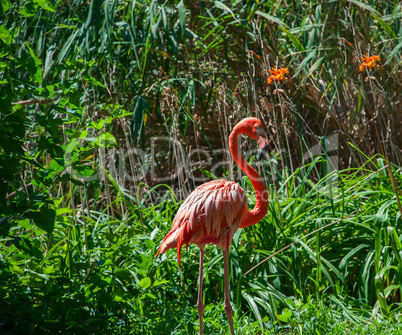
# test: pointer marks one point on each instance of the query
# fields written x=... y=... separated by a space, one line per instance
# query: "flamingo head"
x=253 y=128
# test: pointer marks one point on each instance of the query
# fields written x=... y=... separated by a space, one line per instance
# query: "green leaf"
x=49 y=269
x=5 y=226
x=220 y=5
x=145 y=282
x=55 y=166
x=306 y=27
x=37 y=275
x=23 y=244
x=5 y=35
x=316 y=65
x=38 y=73
x=44 y=218
x=6 y=5
x=311 y=56
x=93 y=80
x=16 y=269
x=30 y=9
x=182 y=15
x=146 y=262
x=364 y=6
x=293 y=38
x=45 y=4
x=285 y=316
x=253 y=307
x=394 y=52
x=149 y=295
x=137 y=122
x=273 y=19
x=160 y=282
x=106 y=140
x=385 y=26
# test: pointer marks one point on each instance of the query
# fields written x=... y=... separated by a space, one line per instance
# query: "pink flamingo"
x=214 y=211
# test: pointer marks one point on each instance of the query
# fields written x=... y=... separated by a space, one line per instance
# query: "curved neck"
x=261 y=207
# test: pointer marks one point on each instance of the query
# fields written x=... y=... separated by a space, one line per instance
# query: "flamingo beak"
x=262 y=142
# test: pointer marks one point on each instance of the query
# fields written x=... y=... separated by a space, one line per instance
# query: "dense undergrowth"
x=111 y=112
x=105 y=278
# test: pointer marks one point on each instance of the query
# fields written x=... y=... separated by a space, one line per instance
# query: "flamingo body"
x=214 y=211
x=211 y=214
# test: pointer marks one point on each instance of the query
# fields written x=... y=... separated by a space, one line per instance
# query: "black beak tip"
x=261 y=153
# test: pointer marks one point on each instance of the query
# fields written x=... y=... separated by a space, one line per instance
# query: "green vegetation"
x=111 y=112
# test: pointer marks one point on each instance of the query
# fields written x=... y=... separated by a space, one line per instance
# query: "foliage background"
x=85 y=88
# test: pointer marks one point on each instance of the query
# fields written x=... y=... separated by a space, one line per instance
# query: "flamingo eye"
x=258 y=129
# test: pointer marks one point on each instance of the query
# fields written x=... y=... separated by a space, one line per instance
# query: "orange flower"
x=251 y=52
x=369 y=62
x=344 y=40
x=277 y=75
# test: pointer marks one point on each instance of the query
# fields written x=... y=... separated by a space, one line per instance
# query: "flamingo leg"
x=228 y=306
x=200 y=305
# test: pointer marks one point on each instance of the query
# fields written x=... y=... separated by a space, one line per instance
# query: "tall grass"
x=85 y=197
x=106 y=277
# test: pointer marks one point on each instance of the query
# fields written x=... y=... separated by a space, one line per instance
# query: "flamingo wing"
x=211 y=214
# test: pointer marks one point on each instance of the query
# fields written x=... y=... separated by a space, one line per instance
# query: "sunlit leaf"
x=145 y=282
x=5 y=35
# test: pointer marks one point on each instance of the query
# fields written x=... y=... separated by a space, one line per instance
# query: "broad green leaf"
x=106 y=140
x=23 y=244
x=44 y=218
x=37 y=275
x=145 y=282
x=273 y=19
x=394 y=52
x=285 y=316
x=386 y=27
x=38 y=63
x=145 y=263
x=5 y=4
x=55 y=166
x=16 y=269
x=393 y=16
x=160 y=282
x=149 y=295
x=45 y=4
x=303 y=64
x=365 y=6
x=316 y=65
x=298 y=30
x=137 y=122
x=220 y=5
x=5 y=35
x=64 y=210
x=253 y=307
x=182 y=15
